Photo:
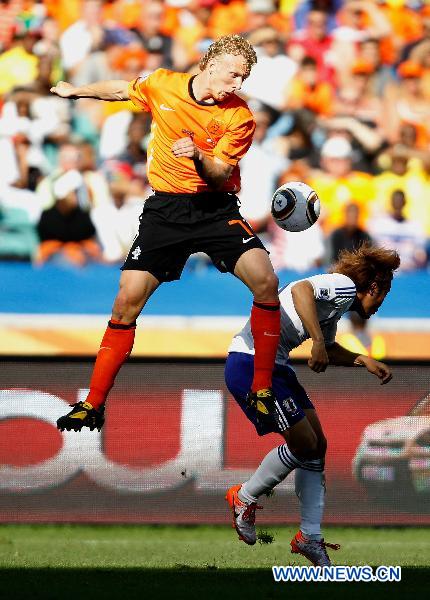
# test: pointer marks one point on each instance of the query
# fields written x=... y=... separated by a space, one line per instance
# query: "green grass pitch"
x=62 y=562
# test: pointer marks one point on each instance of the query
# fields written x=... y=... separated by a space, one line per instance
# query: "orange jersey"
x=222 y=130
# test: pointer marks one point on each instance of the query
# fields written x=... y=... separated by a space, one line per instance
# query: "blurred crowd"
x=340 y=93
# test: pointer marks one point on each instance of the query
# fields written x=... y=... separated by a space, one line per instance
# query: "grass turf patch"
x=49 y=561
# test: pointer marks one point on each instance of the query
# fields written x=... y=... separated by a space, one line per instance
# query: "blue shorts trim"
x=292 y=397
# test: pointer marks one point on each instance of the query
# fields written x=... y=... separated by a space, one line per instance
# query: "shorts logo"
x=324 y=294
x=262 y=407
x=136 y=253
x=289 y=405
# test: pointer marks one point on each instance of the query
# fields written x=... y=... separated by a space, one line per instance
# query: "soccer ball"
x=295 y=206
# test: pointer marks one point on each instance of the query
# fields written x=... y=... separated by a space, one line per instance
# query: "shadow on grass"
x=184 y=582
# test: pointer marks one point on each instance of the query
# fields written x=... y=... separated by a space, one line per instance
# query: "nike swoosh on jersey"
x=246 y=240
x=164 y=107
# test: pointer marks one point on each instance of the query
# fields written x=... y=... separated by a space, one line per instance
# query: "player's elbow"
x=303 y=288
x=217 y=183
x=121 y=93
x=218 y=172
x=222 y=177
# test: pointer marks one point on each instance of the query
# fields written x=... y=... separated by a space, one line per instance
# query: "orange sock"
x=115 y=348
x=265 y=327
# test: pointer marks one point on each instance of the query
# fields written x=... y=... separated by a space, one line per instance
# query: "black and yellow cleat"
x=267 y=409
x=82 y=415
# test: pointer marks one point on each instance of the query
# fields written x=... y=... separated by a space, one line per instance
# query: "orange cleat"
x=243 y=515
x=314 y=550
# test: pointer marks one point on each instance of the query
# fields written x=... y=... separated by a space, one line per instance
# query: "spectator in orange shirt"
x=405 y=23
x=229 y=16
x=161 y=48
x=358 y=20
x=357 y=115
x=420 y=53
x=407 y=50
x=369 y=51
x=306 y=91
x=406 y=103
x=65 y=12
x=126 y=13
x=356 y=98
x=193 y=31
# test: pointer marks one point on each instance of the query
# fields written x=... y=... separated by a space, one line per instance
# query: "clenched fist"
x=185 y=147
x=64 y=90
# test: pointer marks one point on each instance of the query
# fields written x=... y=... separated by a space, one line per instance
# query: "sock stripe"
x=305 y=467
x=287 y=458
x=282 y=458
x=285 y=462
x=316 y=461
x=289 y=455
x=269 y=306
x=316 y=465
x=114 y=325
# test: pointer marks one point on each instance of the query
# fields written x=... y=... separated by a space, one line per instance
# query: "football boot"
x=314 y=550
x=243 y=515
x=82 y=415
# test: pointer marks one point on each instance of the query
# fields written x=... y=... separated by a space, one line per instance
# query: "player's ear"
x=373 y=288
x=211 y=65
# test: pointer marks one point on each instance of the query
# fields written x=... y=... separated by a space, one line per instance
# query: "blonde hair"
x=367 y=264
x=230 y=44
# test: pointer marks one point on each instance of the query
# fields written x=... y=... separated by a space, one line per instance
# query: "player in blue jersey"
x=310 y=308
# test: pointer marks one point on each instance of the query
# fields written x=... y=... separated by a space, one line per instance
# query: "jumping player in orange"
x=200 y=131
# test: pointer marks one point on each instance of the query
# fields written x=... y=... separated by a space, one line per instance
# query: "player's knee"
x=306 y=447
x=266 y=287
x=127 y=306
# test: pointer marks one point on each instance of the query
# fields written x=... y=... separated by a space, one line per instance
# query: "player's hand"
x=185 y=147
x=377 y=368
x=319 y=358
x=64 y=90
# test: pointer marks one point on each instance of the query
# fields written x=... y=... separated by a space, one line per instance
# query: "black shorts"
x=174 y=226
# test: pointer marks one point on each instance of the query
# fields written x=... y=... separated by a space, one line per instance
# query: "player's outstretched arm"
x=304 y=302
x=113 y=90
x=340 y=356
